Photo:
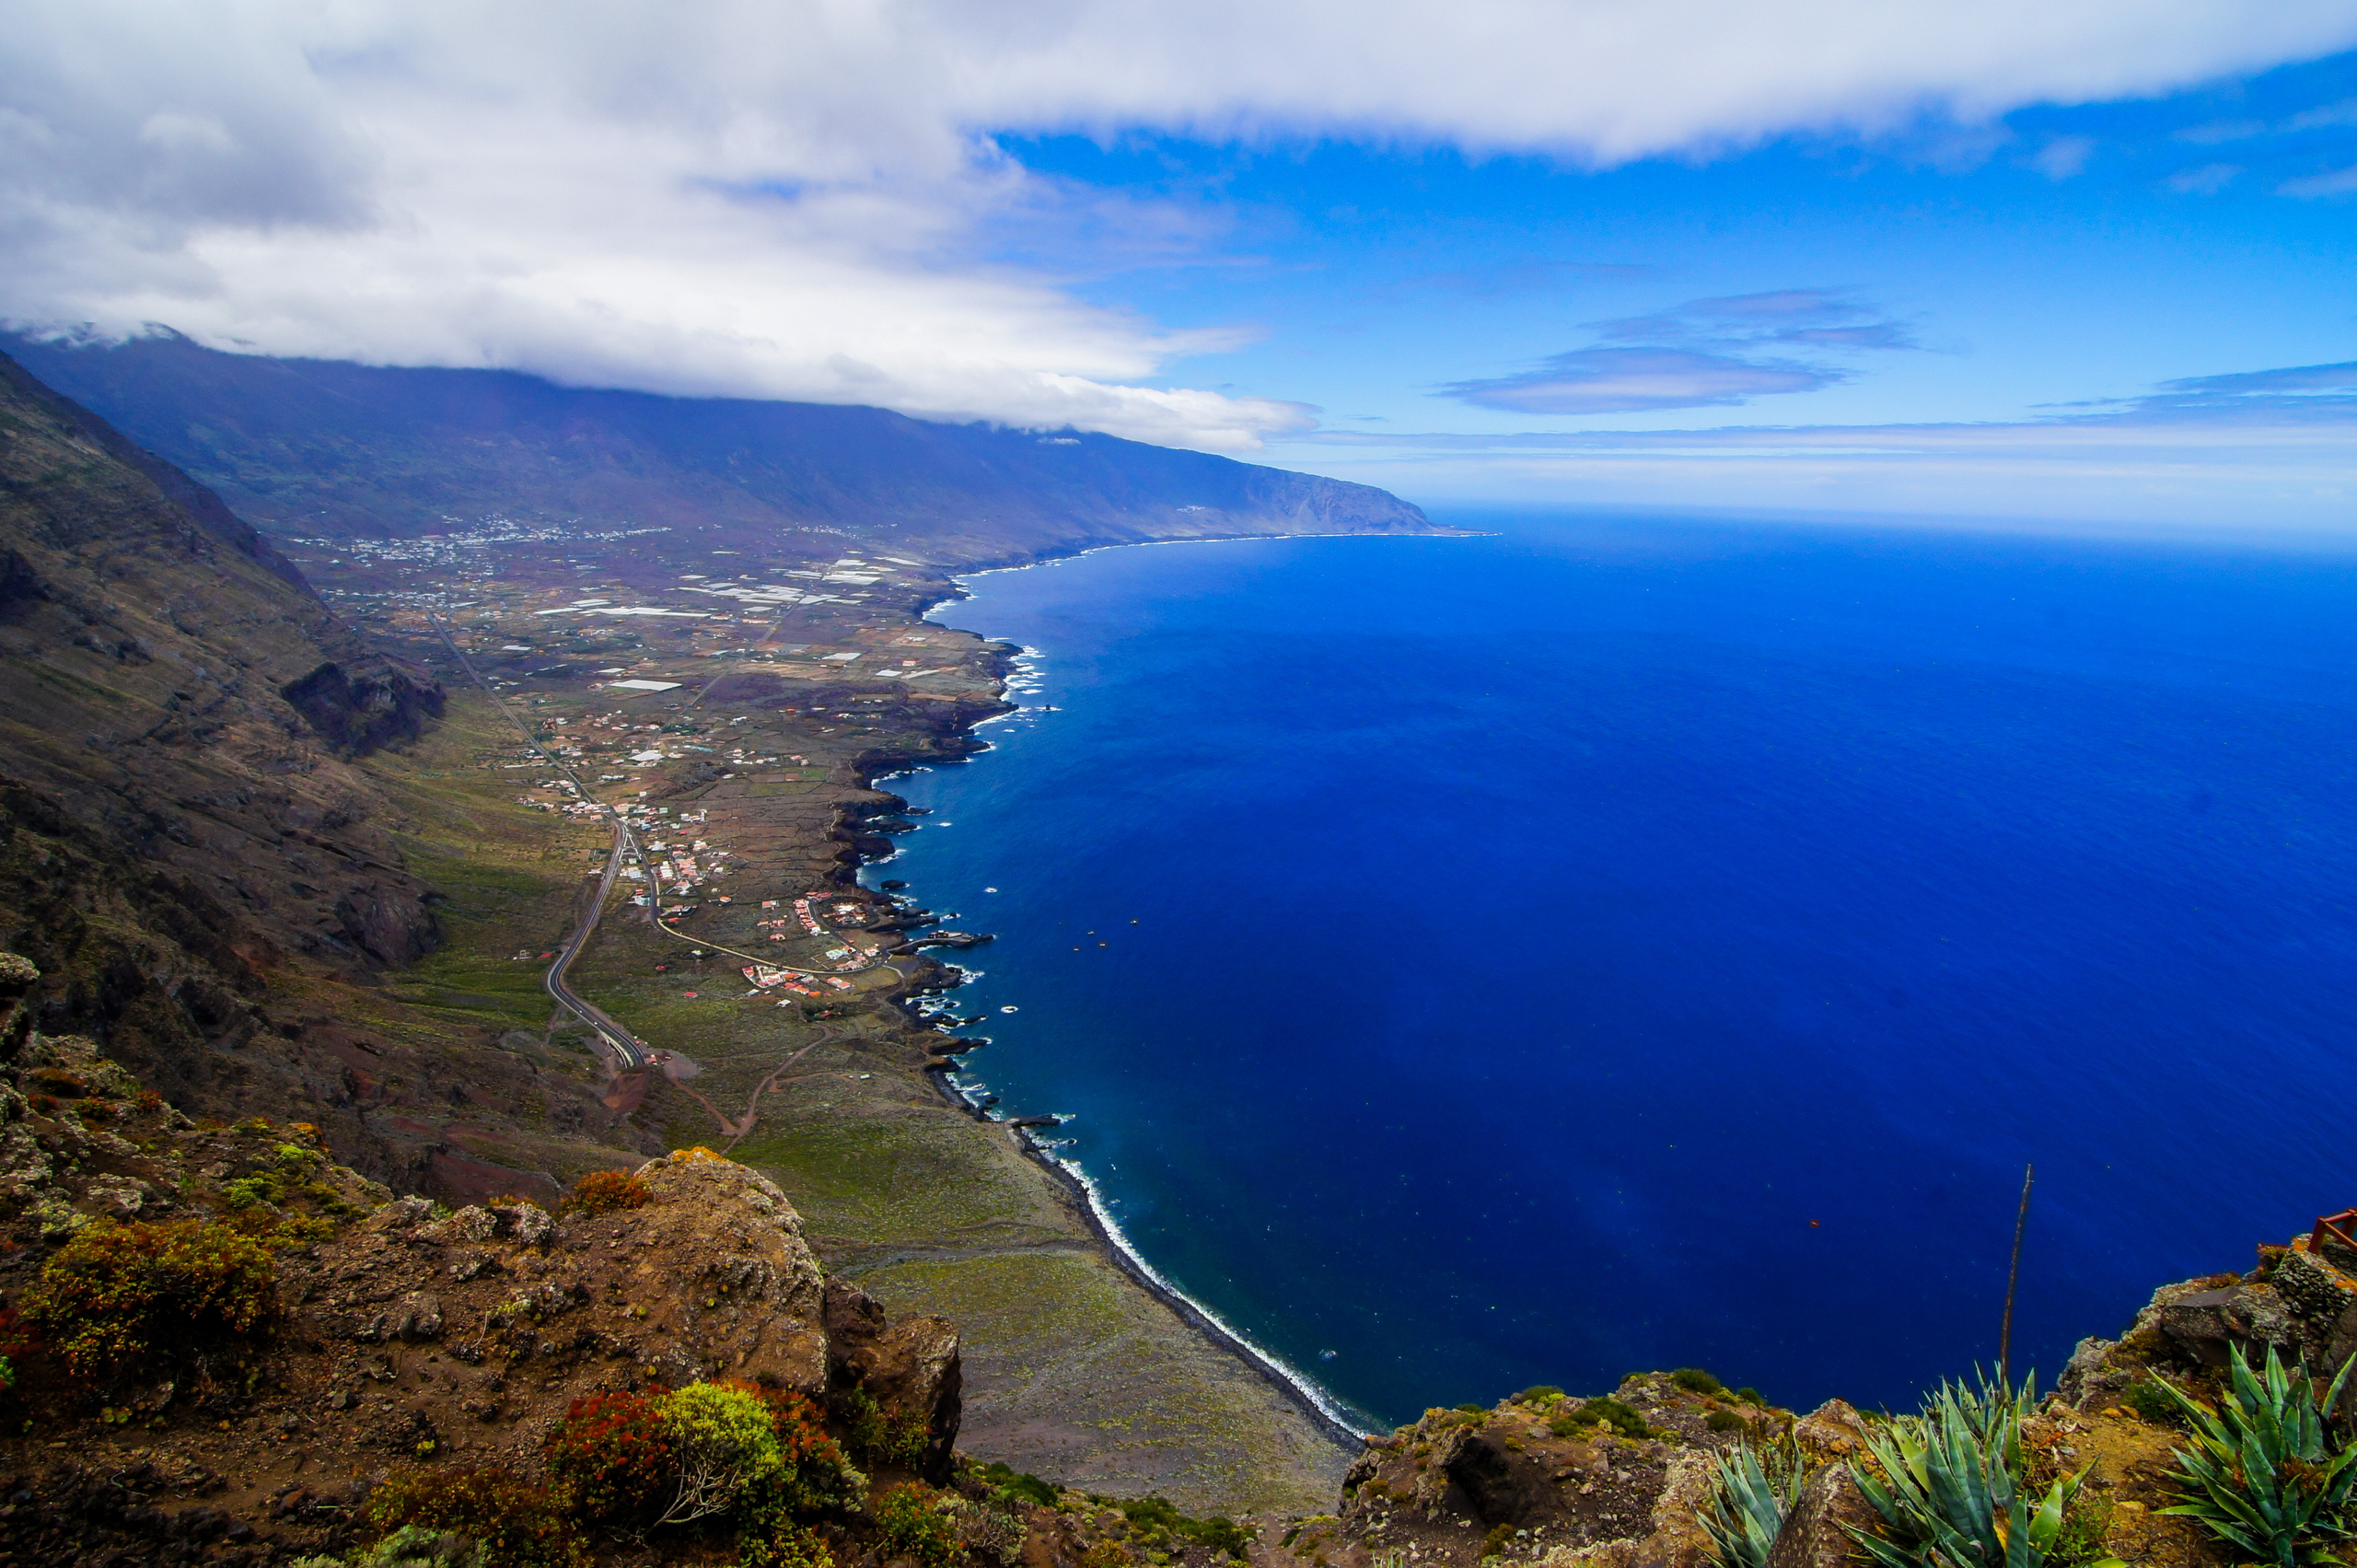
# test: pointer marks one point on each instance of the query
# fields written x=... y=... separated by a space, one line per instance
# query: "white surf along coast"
x=1028 y=677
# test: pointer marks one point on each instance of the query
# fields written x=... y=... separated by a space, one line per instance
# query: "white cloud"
x=2331 y=183
x=2207 y=180
x=788 y=198
x=2326 y=115
x=2063 y=157
x=1627 y=380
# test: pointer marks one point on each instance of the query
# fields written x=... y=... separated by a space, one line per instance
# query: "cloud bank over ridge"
x=795 y=200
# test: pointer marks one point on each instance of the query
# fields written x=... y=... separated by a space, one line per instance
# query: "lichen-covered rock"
x=724 y=1239
x=1816 y=1531
x=2315 y=1292
x=70 y=1067
x=1834 y=1430
x=710 y=1279
x=2184 y=1327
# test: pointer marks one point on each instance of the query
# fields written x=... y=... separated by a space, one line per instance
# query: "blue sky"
x=1967 y=257
x=2055 y=265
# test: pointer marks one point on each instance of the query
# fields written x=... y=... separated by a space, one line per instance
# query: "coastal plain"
x=750 y=733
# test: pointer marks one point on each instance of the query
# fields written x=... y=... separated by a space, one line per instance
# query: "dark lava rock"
x=361 y=704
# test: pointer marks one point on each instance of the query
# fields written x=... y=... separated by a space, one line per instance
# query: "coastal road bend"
x=628 y=1050
x=631 y=1051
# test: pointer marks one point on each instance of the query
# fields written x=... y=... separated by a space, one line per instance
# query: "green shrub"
x=819 y=1475
x=117 y=1295
x=1159 y=1515
x=517 y=1522
x=754 y=1452
x=1004 y=1477
x=877 y=1437
x=1495 y=1543
x=1750 y=1494
x=2265 y=1472
x=1952 y=1486
x=1224 y=1535
x=1694 y=1380
x=1472 y=1410
x=1724 y=1421
x=2150 y=1402
x=1539 y=1394
x=912 y=1526
x=787 y=1546
x=2085 y=1523
x=724 y=1442
x=246 y=1190
x=1751 y=1395
x=1150 y=1512
x=1601 y=1410
x=612 y=1457
x=609 y=1191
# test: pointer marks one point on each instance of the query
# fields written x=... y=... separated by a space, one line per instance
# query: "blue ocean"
x=1616 y=944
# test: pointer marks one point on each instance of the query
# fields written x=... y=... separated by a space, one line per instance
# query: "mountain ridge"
x=329 y=449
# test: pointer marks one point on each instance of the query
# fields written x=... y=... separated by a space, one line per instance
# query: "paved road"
x=627 y=1047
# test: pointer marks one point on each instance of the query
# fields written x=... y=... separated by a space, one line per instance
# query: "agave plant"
x=1951 y=1485
x=1749 y=1497
x=2262 y=1466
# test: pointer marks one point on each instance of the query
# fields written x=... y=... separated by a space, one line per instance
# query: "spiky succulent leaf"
x=1748 y=1502
x=2262 y=1473
x=1946 y=1485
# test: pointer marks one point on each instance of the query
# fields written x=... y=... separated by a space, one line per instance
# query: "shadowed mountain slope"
x=210 y=881
x=320 y=447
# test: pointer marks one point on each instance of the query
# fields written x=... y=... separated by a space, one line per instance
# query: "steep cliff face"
x=170 y=681
x=173 y=819
x=189 y=852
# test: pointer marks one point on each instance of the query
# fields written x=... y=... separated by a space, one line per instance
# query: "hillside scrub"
x=117 y=1296
x=518 y=1524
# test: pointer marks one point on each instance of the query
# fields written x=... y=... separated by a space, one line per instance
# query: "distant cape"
x=320 y=447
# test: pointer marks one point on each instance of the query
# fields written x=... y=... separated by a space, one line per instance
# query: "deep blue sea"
x=1631 y=944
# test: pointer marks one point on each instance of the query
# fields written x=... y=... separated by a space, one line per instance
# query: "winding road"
x=630 y=1050
x=627 y=1047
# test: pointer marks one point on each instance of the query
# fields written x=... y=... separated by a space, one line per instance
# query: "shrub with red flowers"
x=614 y=1460
x=817 y=1473
x=609 y=1191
